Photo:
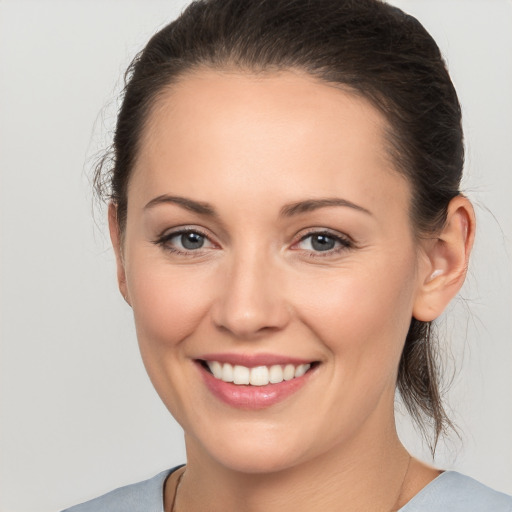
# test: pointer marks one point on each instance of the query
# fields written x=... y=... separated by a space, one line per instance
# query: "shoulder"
x=458 y=493
x=146 y=496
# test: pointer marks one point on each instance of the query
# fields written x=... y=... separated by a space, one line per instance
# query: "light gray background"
x=79 y=415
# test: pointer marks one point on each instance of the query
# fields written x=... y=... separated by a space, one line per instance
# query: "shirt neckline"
x=419 y=495
x=433 y=483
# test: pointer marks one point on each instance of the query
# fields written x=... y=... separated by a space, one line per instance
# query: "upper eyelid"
x=170 y=232
x=218 y=235
x=324 y=231
x=163 y=241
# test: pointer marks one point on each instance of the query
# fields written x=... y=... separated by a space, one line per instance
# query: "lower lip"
x=252 y=397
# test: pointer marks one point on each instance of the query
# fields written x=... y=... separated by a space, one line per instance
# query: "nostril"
x=250 y=303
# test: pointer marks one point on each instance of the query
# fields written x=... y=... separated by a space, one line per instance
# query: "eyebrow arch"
x=189 y=204
x=314 y=204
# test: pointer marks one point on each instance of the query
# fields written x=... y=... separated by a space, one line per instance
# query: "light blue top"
x=449 y=492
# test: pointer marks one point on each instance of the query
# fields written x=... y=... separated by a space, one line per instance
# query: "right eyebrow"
x=189 y=204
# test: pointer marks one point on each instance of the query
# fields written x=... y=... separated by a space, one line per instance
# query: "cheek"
x=168 y=301
x=169 y=304
x=362 y=315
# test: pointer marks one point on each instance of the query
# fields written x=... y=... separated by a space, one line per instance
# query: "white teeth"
x=216 y=369
x=257 y=376
x=241 y=374
x=289 y=372
x=301 y=370
x=276 y=374
x=227 y=373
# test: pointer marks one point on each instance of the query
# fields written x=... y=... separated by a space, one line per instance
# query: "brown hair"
x=365 y=46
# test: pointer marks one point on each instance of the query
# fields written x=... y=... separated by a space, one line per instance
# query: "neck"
x=366 y=474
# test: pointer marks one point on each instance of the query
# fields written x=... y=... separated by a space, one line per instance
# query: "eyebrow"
x=314 y=204
x=189 y=204
x=288 y=210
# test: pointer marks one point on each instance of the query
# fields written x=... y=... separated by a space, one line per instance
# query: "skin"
x=251 y=146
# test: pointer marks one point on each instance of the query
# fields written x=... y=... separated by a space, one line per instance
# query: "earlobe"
x=445 y=262
x=115 y=237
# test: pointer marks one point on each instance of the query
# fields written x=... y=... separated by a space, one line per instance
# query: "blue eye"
x=191 y=240
x=184 y=241
x=323 y=242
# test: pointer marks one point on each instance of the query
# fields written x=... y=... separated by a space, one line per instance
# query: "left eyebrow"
x=189 y=204
x=314 y=204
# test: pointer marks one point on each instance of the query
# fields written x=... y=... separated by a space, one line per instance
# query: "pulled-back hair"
x=364 y=46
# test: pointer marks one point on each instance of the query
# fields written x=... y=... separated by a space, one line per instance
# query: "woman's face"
x=268 y=234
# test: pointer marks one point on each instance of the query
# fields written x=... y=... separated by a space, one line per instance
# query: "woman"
x=287 y=222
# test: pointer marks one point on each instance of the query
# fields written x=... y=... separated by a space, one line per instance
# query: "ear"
x=445 y=261
x=116 y=238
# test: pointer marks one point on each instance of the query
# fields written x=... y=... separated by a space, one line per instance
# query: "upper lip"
x=253 y=360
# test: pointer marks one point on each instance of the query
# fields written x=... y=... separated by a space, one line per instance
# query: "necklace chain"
x=178 y=483
x=397 y=501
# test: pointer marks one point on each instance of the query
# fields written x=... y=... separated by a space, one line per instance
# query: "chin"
x=259 y=462
x=253 y=454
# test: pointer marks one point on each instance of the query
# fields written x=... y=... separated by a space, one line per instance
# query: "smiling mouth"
x=257 y=375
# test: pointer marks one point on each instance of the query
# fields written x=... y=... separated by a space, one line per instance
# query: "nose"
x=251 y=300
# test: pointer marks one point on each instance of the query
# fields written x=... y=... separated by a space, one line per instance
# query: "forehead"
x=285 y=132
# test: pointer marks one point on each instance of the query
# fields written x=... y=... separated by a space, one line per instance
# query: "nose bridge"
x=251 y=299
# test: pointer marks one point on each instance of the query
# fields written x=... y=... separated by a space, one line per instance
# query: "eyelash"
x=163 y=240
x=344 y=242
